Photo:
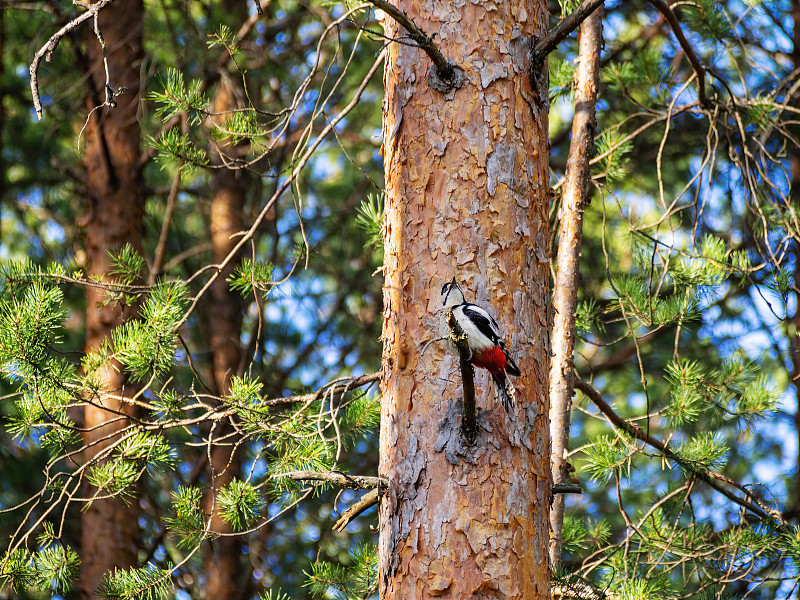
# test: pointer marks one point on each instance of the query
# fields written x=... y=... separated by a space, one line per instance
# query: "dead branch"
x=368 y=500
x=46 y=51
x=336 y=389
x=343 y=480
x=567 y=488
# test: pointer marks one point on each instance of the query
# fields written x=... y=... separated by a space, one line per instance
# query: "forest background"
x=194 y=220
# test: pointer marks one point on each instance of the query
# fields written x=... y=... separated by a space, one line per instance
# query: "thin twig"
x=161 y=247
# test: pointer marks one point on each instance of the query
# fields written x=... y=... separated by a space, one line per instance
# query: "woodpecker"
x=483 y=337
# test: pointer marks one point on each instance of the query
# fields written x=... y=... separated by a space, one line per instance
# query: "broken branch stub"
x=459 y=339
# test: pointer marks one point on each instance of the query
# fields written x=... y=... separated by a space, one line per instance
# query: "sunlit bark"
x=565 y=293
x=466 y=195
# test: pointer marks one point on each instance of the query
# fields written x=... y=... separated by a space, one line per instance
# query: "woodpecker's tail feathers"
x=511 y=367
x=504 y=391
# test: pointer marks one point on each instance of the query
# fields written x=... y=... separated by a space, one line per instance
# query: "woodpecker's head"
x=452 y=294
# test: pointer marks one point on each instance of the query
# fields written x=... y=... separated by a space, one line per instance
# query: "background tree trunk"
x=565 y=294
x=222 y=563
x=109 y=528
x=466 y=195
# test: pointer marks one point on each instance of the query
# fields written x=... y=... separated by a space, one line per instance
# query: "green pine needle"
x=240 y=504
x=370 y=218
x=188 y=523
x=146 y=583
x=177 y=97
x=249 y=276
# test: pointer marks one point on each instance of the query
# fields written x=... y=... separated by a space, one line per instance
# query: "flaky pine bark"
x=222 y=563
x=109 y=528
x=466 y=195
x=565 y=292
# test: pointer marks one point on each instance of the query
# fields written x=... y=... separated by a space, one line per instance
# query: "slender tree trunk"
x=109 y=528
x=466 y=195
x=565 y=294
x=222 y=564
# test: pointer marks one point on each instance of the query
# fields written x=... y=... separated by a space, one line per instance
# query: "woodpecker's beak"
x=454 y=281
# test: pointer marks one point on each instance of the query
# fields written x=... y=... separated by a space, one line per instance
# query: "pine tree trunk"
x=565 y=294
x=109 y=528
x=466 y=195
x=222 y=563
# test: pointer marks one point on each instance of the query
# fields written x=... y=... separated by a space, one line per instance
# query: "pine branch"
x=698 y=67
x=367 y=501
x=710 y=478
x=343 y=480
x=447 y=72
x=560 y=32
x=333 y=387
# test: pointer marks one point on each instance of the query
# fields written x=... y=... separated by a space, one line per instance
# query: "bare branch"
x=46 y=51
x=161 y=247
x=343 y=480
x=559 y=33
x=368 y=500
x=337 y=389
x=567 y=488
x=699 y=69
x=447 y=72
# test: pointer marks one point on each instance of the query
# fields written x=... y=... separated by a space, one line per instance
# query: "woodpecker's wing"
x=479 y=319
x=482 y=321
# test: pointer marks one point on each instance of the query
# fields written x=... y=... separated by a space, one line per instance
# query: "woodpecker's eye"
x=445 y=288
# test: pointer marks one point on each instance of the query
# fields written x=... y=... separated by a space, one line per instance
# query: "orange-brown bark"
x=565 y=293
x=222 y=564
x=109 y=528
x=466 y=195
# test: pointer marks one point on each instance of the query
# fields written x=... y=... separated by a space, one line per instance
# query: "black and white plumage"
x=483 y=338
